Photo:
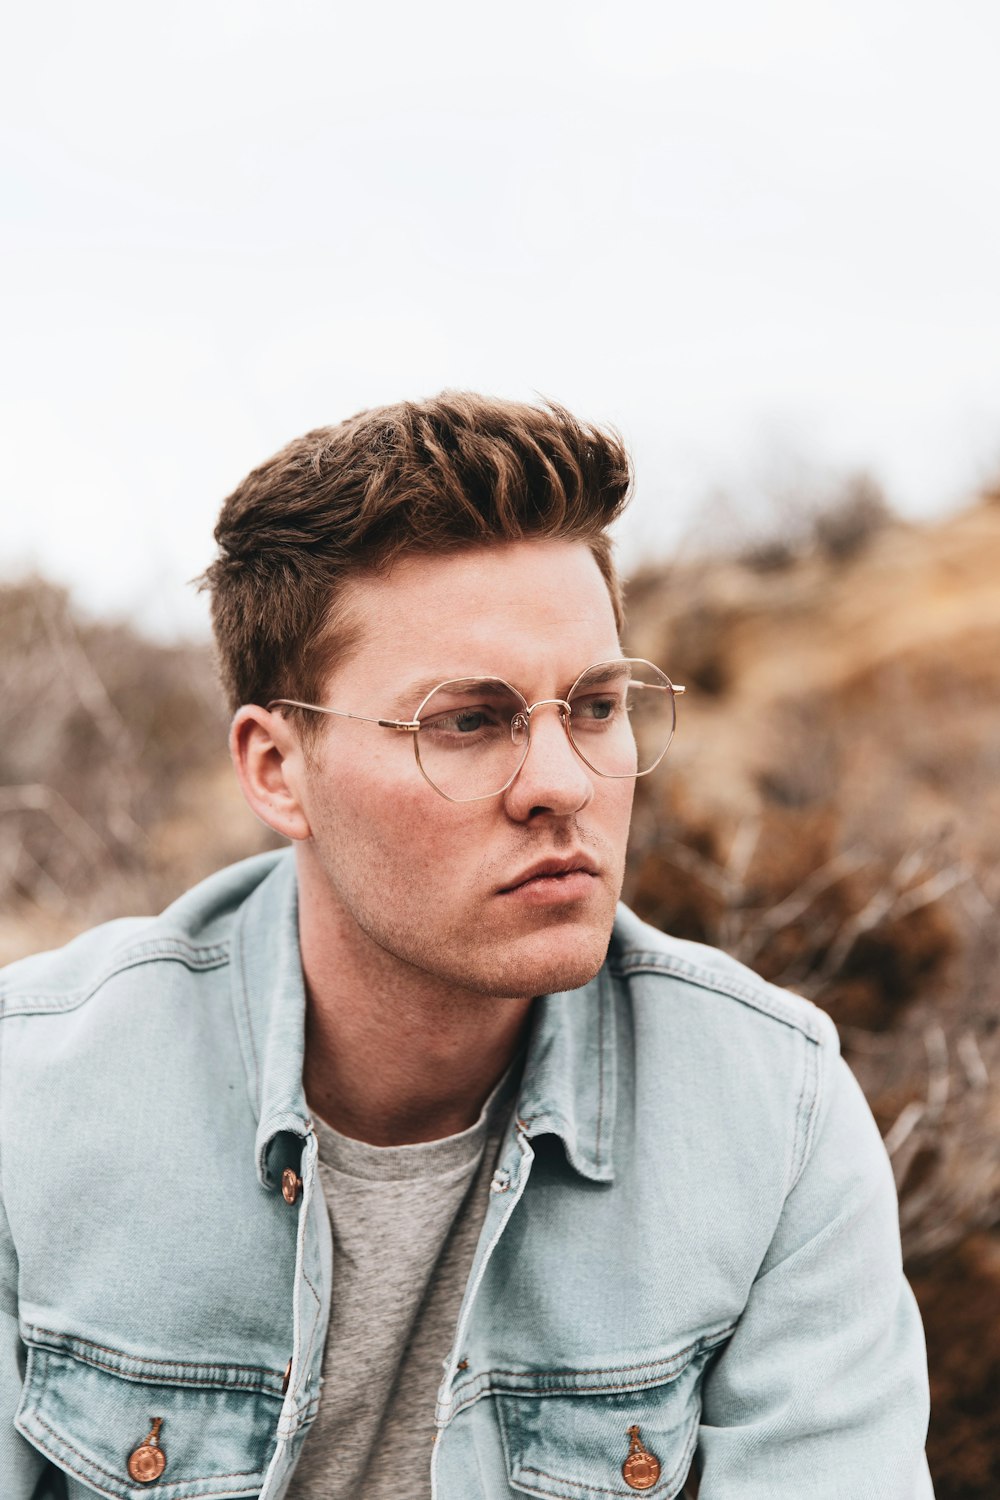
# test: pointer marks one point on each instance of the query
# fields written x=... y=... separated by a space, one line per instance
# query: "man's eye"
x=596 y=710
x=463 y=721
x=470 y=721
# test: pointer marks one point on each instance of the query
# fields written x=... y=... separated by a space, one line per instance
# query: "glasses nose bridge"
x=520 y=724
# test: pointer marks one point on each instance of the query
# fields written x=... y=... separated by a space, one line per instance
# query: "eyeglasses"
x=471 y=735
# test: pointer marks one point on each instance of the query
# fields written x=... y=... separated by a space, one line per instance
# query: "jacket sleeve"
x=822 y=1389
x=24 y=1473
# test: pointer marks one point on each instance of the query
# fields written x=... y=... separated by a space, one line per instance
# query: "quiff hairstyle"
x=457 y=471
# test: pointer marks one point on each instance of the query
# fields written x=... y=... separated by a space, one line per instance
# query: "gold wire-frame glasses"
x=477 y=730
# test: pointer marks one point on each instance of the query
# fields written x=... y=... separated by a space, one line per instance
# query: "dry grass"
x=114 y=790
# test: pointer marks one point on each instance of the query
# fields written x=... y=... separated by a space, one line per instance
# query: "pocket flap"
x=216 y=1429
x=568 y=1446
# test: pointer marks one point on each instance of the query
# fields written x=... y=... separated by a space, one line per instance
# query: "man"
x=397 y=1164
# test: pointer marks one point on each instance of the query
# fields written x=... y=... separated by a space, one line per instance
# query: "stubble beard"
x=485 y=951
x=515 y=954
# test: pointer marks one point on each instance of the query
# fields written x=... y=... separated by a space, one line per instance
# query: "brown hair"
x=456 y=471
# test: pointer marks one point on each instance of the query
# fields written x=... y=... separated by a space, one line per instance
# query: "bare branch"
x=936 y=1044
x=971 y=1059
x=905 y=1123
x=45 y=799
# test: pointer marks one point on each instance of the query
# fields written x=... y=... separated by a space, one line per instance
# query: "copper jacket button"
x=148 y=1461
x=291 y=1185
x=641 y=1468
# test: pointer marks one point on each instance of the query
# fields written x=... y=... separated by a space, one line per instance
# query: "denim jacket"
x=691 y=1244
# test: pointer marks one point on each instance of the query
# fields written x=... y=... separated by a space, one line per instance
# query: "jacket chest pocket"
x=567 y=1441
x=205 y=1431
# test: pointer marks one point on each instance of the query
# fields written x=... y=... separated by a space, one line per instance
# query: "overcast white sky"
x=762 y=239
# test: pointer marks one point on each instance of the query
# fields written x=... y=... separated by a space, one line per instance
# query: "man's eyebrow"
x=410 y=697
x=609 y=671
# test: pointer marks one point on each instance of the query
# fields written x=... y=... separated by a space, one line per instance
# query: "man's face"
x=405 y=876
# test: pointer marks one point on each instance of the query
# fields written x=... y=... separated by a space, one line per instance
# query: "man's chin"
x=567 y=954
x=561 y=965
x=566 y=978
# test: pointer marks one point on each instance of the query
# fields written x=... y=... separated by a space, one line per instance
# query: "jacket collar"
x=568 y=1087
x=570 y=1075
x=269 y=1004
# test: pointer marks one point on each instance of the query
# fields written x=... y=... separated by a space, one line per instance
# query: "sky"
x=760 y=240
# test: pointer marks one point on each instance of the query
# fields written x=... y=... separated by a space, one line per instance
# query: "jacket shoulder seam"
x=806 y=1112
x=192 y=956
x=811 y=1105
x=759 y=997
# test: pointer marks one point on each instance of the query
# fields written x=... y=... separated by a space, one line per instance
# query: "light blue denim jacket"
x=692 y=1231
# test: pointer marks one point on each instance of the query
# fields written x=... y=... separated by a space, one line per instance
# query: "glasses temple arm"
x=408 y=726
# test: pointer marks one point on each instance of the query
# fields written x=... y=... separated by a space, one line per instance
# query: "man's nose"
x=553 y=778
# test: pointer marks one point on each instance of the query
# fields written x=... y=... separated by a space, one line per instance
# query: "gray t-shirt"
x=405 y=1223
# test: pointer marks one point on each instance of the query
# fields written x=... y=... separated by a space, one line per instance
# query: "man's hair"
x=457 y=471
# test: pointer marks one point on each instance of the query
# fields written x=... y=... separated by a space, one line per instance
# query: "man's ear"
x=268 y=760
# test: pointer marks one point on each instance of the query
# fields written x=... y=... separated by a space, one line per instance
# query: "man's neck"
x=392 y=1056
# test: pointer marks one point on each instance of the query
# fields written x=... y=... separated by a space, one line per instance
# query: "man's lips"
x=552 y=869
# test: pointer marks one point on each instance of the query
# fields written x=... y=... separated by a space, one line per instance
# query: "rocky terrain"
x=829 y=812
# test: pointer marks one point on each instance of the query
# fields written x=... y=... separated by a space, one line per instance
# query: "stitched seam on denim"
x=289 y=1425
x=315 y=1322
x=800 y=1126
x=762 y=999
x=485 y=1388
x=646 y=1364
x=595 y=1489
x=245 y=1000
x=178 y=1381
x=62 y=1343
x=306 y=1356
x=470 y=1400
x=481 y=1261
x=117 y=1478
x=659 y=1371
x=707 y=979
x=3 y=1210
x=600 y=1069
x=294 y=1422
x=42 y=1382
x=525 y=1471
x=485 y=1383
x=556 y=1392
x=301 y=1409
x=812 y=1113
x=47 y=1002
x=319 y=1300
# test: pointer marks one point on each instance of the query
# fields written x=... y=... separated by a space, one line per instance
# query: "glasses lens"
x=622 y=717
x=469 y=744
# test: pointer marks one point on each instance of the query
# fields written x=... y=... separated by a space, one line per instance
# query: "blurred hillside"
x=829 y=812
x=831 y=816
x=115 y=789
